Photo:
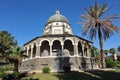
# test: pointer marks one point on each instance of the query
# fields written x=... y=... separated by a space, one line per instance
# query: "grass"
x=89 y=75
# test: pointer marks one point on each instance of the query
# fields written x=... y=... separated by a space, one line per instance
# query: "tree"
x=95 y=25
x=6 y=40
x=15 y=55
x=106 y=52
x=112 y=51
x=97 y=55
x=118 y=49
x=96 y=51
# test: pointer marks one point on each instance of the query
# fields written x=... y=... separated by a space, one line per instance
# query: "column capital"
x=51 y=44
x=76 y=44
x=37 y=45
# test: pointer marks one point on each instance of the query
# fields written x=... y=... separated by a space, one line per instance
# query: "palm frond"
x=86 y=17
x=113 y=16
x=102 y=10
x=93 y=21
x=88 y=12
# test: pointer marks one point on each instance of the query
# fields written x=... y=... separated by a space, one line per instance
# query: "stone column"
x=76 y=54
x=31 y=52
x=27 y=51
x=62 y=49
x=38 y=51
x=82 y=49
x=75 y=49
x=50 y=50
x=88 y=52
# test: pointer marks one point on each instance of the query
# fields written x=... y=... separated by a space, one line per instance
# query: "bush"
x=66 y=68
x=14 y=76
x=1 y=70
x=111 y=64
x=3 y=75
x=46 y=70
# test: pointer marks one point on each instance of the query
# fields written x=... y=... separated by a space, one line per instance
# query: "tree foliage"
x=6 y=40
x=111 y=64
x=9 y=49
x=112 y=50
x=106 y=52
x=97 y=55
x=118 y=49
x=15 y=55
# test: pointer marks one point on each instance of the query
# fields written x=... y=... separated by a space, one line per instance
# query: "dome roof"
x=57 y=17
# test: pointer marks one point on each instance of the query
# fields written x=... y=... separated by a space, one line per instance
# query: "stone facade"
x=58 y=47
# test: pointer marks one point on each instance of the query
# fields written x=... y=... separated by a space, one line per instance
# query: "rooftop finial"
x=57 y=12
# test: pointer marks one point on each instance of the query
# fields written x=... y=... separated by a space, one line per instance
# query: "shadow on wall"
x=83 y=63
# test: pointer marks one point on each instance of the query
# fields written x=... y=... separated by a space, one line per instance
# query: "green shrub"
x=46 y=70
x=16 y=75
x=111 y=64
x=4 y=76
x=118 y=65
x=1 y=70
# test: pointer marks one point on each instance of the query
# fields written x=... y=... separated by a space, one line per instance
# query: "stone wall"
x=56 y=63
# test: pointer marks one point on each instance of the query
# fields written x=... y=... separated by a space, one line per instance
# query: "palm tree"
x=95 y=50
x=95 y=25
x=113 y=51
x=118 y=49
x=15 y=55
x=6 y=40
x=118 y=55
x=106 y=52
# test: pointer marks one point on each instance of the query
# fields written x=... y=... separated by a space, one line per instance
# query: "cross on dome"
x=57 y=12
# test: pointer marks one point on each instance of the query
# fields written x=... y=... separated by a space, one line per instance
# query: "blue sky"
x=26 y=19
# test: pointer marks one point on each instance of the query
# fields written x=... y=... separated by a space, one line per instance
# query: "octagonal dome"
x=57 y=17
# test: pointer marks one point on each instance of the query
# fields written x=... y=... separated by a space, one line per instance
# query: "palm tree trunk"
x=101 y=48
x=113 y=56
x=16 y=65
x=106 y=55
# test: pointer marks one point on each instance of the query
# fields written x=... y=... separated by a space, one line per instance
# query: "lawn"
x=88 y=75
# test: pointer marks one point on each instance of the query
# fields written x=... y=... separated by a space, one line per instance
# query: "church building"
x=58 y=47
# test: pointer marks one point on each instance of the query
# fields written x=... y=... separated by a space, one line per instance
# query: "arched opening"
x=29 y=51
x=56 y=48
x=85 y=49
x=25 y=52
x=68 y=48
x=80 y=52
x=34 y=50
x=45 y=49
